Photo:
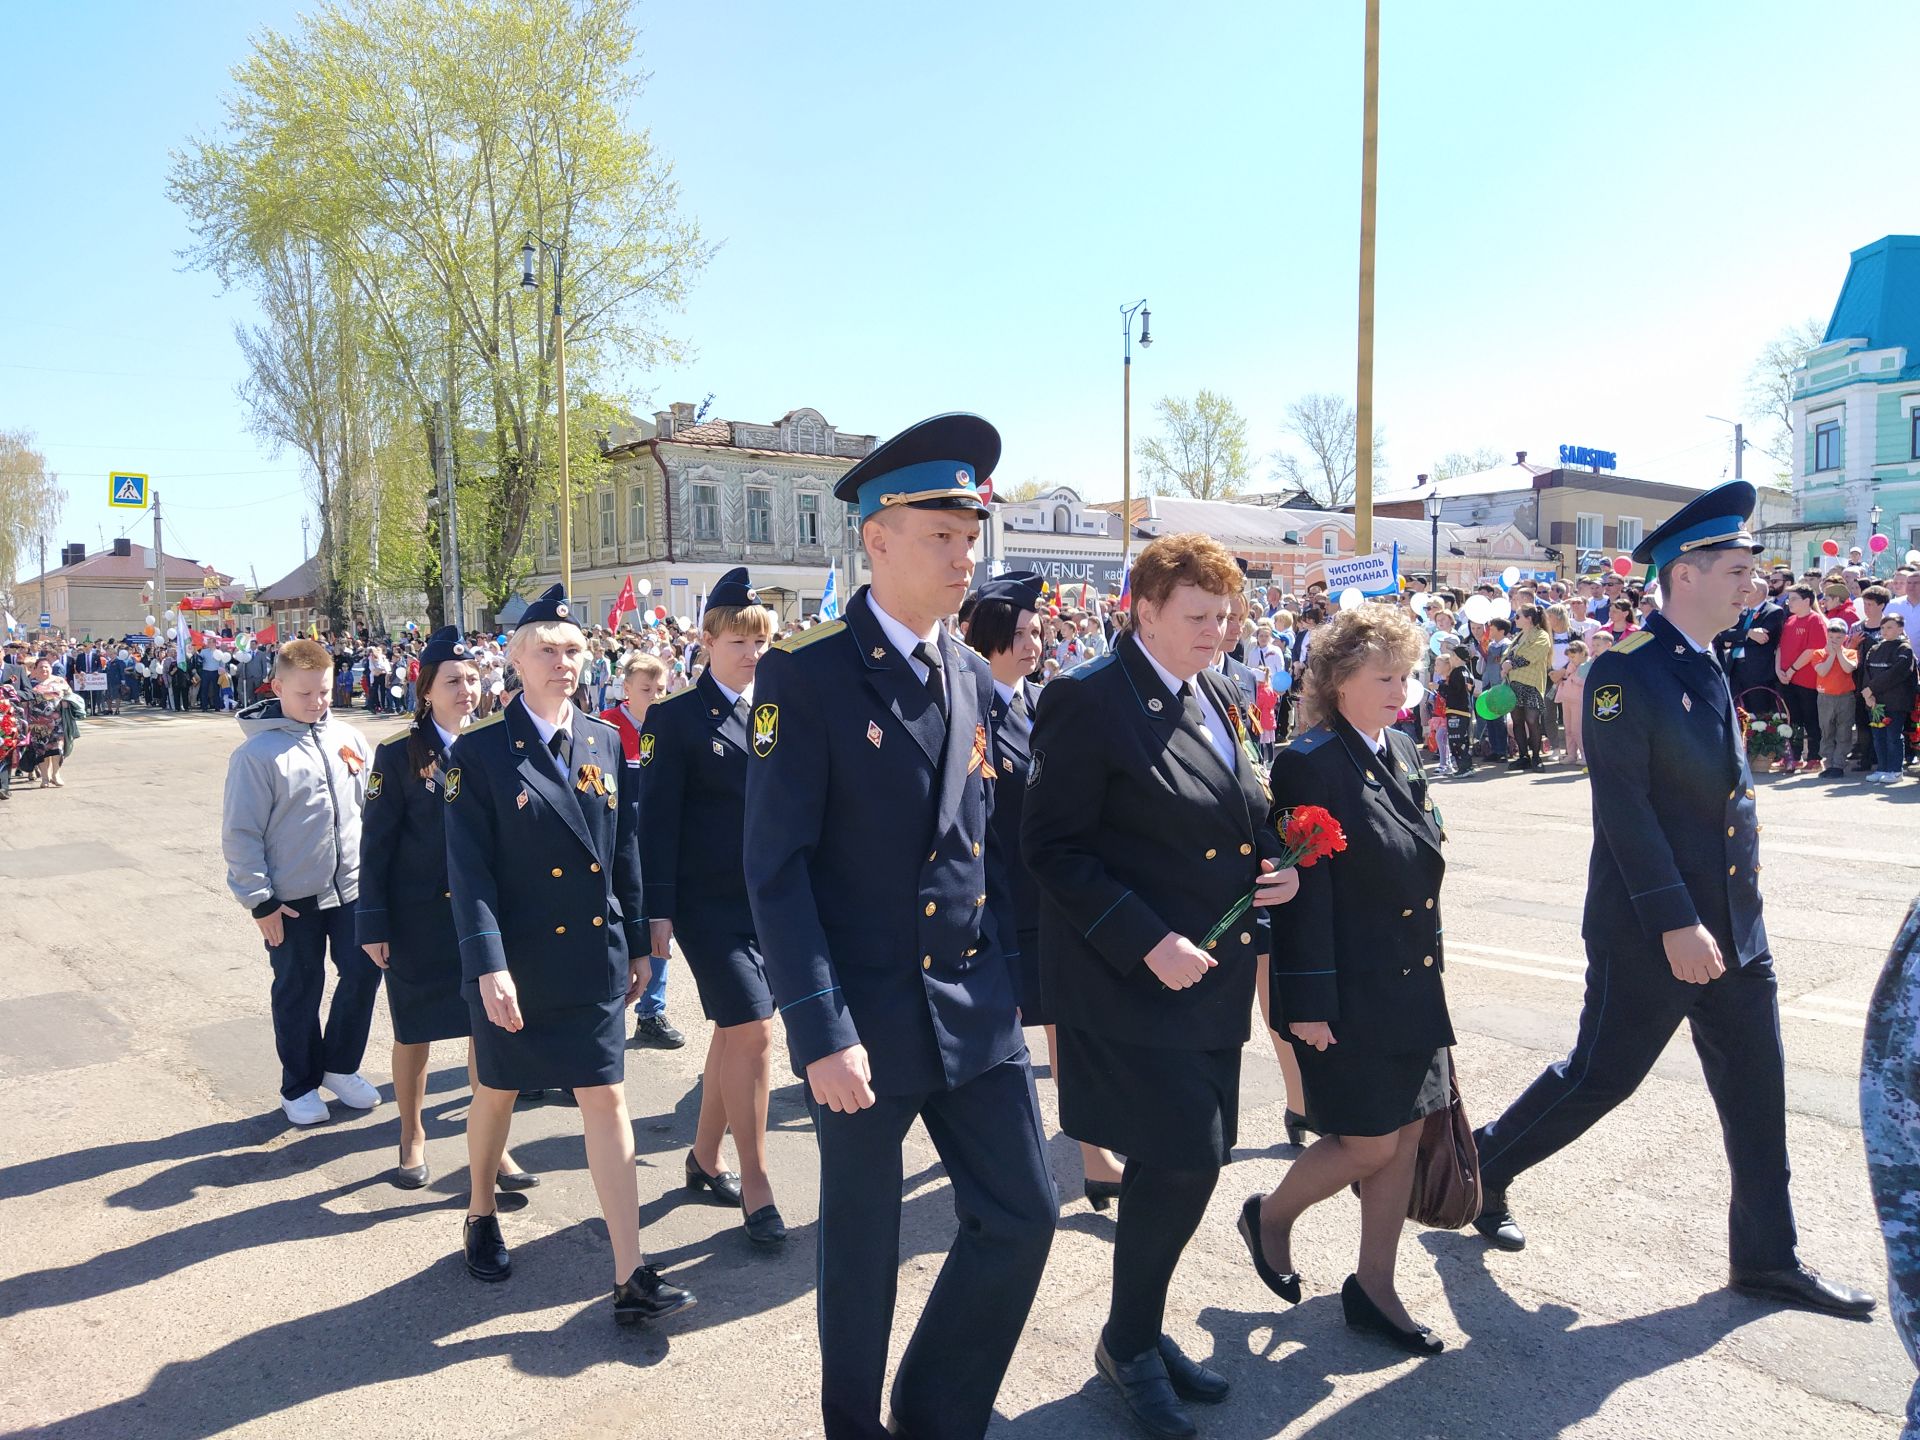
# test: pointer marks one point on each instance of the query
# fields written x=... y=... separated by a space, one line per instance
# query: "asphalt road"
x=176 y=1261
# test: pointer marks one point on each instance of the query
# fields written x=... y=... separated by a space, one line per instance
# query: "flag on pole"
x=12 y=624
x=621 y=606
x=268 y=636
x=1126 y=585
x=830 y=599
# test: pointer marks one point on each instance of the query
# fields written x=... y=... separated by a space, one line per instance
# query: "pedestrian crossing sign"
x=127 y=491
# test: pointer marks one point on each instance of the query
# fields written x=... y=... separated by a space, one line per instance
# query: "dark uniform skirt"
x=1176 y=1108
x=556 y=1050
x=425 y=1005
x=1351 y=1091
x=1026 y=980
x=729 y=972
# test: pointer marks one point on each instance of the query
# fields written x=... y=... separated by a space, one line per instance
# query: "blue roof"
x=1881 y=298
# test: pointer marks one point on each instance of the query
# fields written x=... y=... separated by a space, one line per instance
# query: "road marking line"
x=1476 y=948
x=1793 y=1012
x=1851 y=1006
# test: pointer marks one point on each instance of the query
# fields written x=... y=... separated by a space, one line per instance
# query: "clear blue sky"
x=1590 y=219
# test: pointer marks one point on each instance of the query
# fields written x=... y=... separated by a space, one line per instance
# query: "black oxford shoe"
x=1495 y=1221
x=1190 y=1379
x=725 y=1185
x=1148 y=1392
x=1797 y=1285
x=643 y=1295
x=486 y=1251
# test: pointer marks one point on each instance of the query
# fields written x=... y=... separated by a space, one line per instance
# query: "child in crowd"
x=1572 y=697
x=643 y=680
x=1266 y=706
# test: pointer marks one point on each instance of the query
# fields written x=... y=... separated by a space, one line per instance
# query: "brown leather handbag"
x=1446 y=1174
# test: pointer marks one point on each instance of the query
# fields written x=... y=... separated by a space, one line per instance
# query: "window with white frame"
x=807 y=518
x=637 y=513
x=759 y=515
x=1589 y=531
x=607 y=537
x=1329 y=544
x=706 y=512
x=1628 y=535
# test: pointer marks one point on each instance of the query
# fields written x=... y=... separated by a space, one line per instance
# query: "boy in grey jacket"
x=291 y=836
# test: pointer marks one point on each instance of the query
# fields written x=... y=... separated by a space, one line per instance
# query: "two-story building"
x=684 y=500
x=1856 y=412
x=109 y=594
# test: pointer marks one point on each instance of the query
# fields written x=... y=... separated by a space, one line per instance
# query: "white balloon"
x=645 y=587
x=1913 y=557
x=1351 y=599
x=1502 y=608
x=683 y=622
x=171 y=632
x=1420 y=601
x=1478 y=610
x=170 y=614
x=150 y=619
x=1510 y=576
x=1416 y=692
x=396 y=691
x=498 y=686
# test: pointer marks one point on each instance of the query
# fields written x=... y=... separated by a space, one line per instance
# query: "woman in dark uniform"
x=693 y=788
x=544 y=864
x=1145 y=825
x=404 y=916
x=1356 y=966
x=1003 y=624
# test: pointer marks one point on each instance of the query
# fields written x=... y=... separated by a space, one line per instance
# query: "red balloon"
x=659 y=612
x=1877 y=544
x=1623 y=565
x=1829 y=547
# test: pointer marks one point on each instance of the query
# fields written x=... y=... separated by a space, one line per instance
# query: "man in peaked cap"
x=1672 y=923
x=868 y=860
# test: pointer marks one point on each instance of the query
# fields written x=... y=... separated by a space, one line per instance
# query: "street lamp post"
x=530 y=281
x=1126 y=421
x=1433 y=518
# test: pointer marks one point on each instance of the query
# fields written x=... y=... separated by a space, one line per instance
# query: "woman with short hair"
x=1357 y=965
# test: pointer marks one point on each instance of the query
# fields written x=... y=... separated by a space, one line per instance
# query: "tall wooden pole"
x=1363 y=381
x=566 y=490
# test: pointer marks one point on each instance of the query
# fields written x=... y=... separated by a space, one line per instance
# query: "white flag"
x=830 y=600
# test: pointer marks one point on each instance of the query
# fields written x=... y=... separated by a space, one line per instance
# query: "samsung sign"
x=1592 y=459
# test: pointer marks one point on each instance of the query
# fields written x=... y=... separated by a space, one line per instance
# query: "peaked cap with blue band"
x=443 y=645
x=937 y=464
x=733 y=588
x=550 y=609
x=1716 y=520
x=1019 y=588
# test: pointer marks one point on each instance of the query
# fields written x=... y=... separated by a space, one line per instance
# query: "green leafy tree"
x=30 y=503
x=1201 y=449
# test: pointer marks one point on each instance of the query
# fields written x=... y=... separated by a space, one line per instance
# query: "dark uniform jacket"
x=1749 y=663
x=1013 y=746
x=1889 y=671
x=867 y=857
x=405 y=901
x=1135 y=828
x=1676 y=842
x=545 y=875
x=693 y=803
x=1359 y=946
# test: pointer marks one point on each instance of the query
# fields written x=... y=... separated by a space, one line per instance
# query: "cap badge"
x=879 y=652
x=561 y=611
x=962 y=478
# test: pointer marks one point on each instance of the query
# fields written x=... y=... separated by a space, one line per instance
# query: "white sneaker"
x=351 y=1091
x=307 y=1109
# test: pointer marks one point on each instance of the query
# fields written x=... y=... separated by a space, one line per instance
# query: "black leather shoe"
x=1284 y=1283
x=518 y=1180
x=1102 y=1193
x=656 y=1032
x=486 y=1251
x=1495 y=1221
x=1148 y=1393
x=764 y=1226
x=1297 y=1127
x=1800 y=1286
x=1190 y=1379
x=725 y=1186
x=1362 y=1314
x=411 y=1177
x=643 y=1295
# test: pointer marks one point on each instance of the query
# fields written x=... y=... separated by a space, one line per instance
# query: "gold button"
x=1213 y=945
x=557 y=872
x=1405 y=913
x=1732 y=869
x=1212 y=853
x=598 y=921
x=1428 y=960
x=926 y=962
x=559 y=929
x=1729 y=832
x=1429 y=902
x=933 y=856
x=931 y=907
x=981 y=901
x=594 y=867
x=973 y=952
x=1749 y=794
x=1246 y=849
x=976 y=847
x=1246 y=937
x=446 y=894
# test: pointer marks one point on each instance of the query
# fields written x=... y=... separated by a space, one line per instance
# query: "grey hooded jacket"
x=291 y=821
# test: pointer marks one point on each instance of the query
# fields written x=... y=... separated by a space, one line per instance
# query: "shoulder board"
x=493 y=719
x=1633 y=642
x=1086 y=668
x=1307 y=741
x=678 y=695
x=398 y=735
x=818 y=632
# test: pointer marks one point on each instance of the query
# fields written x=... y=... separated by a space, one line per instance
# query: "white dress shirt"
x=1217 y=729
x=904 y=639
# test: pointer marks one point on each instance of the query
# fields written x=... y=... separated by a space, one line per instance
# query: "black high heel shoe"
x=1363 y=1314
x=1102 y=1193
x=725 y=1185
x=1284 y=1283
x=1297 y=1126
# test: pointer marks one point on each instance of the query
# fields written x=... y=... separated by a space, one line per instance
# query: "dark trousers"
x=988 y=1134
x=1160 y=1209
x=299 y=977
x=1633 y=1006
x=1803 y=709
x=1888 y=749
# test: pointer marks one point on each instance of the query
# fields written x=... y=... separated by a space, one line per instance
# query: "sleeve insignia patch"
x=646 y=748
x=453 y=784
x=1033 y=768
x=1608 y=702
x=374 y=784
x=766 y=729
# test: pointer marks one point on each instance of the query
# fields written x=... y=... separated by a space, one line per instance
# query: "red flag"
x=268 y=636
x=625 y=603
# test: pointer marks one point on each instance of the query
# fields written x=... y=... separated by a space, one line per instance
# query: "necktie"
x=936 y=682
x=562 y=760
x=1196 y=717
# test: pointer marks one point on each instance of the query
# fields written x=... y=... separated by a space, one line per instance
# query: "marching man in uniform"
x=1672 y=923
x=867 y=858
